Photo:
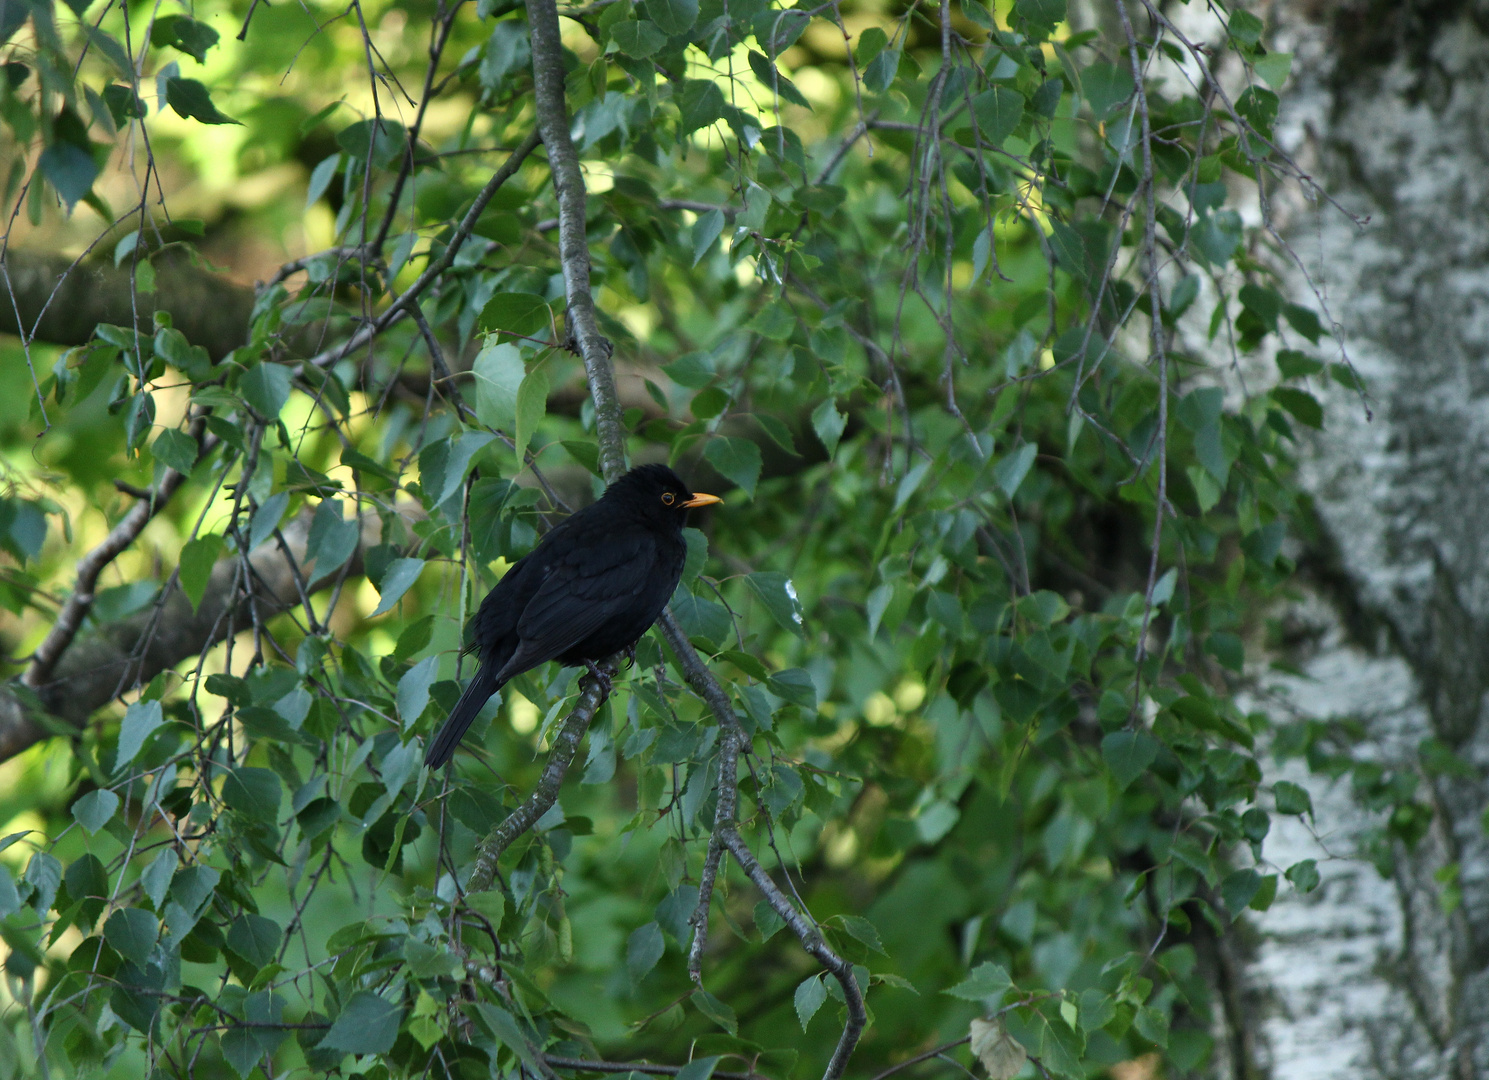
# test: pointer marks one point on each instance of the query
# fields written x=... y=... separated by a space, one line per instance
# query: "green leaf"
x=693 y=370
x=737 y=460
x=998 y=112
x=70 y=170
x=367 y=1024
x=332 y=539
x=398 y=578
x=674 y=17
x=175 y=449
x=871 y=43
x=702 y=104
x=1106 y=86
x=775 y=321
x=1043 y=13
x=254 y=938
x=1301 y=404
x=796 y=686
x=773 y=81
x=716 y=1011
x=879 y=75
x=140 y=721
x=505 y=1028
x=1128 y=754
x=443 y=465
x=643 y=949
x=132 y=932
x=779 y=433
x=266 y=388
x=1010 y=471
x=253 y=793
x=413 y=689
x=1304 y=875
x=699 y=1068
x=532 y=405
x=767 y=921
x=697 y=554
x=123 y=104
x=778 y=595
x=828 y=423
x=185 y=34
x=10 y=897
x=1291 y=799
x=194 y=885
x=864 y=931
x=1239 y=889
x=1152 y=1025
x=380 y=140
x=1245 y=28
x=156 y=880
x=705 y=231
x=517 y=314
x=94 y=809
x=190 y=99
x=196 y=561
x=1304 y=320
x=499 y=372
x=267 y=518
x=810 y=995
x=1274 y=68
x=987 y=981
x=639 y=38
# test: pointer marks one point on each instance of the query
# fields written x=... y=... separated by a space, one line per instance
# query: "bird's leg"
x=600 y=675
x=630 y=651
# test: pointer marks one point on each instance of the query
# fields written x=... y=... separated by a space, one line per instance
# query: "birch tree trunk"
x=1372 y=976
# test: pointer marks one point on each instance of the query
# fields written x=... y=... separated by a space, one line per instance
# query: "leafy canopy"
x=945 y=299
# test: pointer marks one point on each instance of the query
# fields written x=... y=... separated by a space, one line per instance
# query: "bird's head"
x=659 y=494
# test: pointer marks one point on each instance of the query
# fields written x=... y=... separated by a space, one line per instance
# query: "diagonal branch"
x=403 y=302
x=560 y=756
x=70 y=618
x=98 y=666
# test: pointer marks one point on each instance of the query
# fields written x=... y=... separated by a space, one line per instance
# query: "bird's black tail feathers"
x=485 y=683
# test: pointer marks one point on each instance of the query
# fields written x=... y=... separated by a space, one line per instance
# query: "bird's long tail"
x=485 y=683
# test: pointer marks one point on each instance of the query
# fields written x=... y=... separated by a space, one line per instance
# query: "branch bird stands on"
x=593 y=585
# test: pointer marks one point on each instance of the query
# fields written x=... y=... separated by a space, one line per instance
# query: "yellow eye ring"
x=668 y=499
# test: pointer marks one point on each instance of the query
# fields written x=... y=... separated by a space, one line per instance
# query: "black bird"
x=593 y=585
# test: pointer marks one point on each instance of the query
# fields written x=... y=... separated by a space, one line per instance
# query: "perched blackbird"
x=593 y=585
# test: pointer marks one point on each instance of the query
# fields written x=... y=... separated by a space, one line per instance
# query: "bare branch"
x=573 y=246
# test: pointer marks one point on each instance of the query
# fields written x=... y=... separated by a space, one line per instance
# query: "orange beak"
x=703 y=500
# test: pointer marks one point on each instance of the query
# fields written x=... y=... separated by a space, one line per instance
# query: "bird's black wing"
x=580 y=593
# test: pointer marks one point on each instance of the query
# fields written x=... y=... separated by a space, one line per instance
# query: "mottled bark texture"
x=62 y=308
x=1371 y=977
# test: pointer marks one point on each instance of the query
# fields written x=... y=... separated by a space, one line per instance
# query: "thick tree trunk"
x=1371 y=977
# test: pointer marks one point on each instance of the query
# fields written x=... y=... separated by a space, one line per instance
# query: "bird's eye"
x=668 y=499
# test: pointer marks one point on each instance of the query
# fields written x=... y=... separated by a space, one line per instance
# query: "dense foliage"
x=995 y=547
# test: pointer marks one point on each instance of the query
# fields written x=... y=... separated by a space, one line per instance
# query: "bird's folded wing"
x=579 y=596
